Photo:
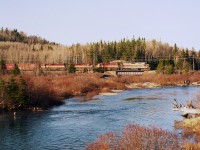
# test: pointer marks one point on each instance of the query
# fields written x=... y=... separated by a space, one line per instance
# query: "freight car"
x=53 y=67
x=83 y=67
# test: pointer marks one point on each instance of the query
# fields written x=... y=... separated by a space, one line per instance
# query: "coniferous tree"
x=2 y=67
x=2 y=93
x=71 y=68
x=175 y=50
x=169 y=69
x=21 y=93
x=12 y=89
x=16 y=70
x=161 y=66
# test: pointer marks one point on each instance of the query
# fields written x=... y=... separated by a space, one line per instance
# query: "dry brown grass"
x=135 y=137
x=193 y=124
x=192 y=146
x=191 y=128
x=162 y=79
x=74 y=85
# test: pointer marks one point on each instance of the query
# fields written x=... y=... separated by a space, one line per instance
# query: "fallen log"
x=188 y=111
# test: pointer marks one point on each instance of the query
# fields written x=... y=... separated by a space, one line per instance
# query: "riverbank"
x=89 y=85
x=160 y=80
x=190 y=128
x=48 y=91
x=190 y=125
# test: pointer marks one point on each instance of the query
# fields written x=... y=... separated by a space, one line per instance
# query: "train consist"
x=121 y=67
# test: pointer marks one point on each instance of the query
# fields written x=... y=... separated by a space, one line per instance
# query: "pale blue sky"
x=71 y=21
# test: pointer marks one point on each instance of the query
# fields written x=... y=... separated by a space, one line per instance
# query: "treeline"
x=16 y=47
x=160 y=56
x=15 y=36
x=18 y=93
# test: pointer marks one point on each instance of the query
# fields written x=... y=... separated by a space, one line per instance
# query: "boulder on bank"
x=143 y=85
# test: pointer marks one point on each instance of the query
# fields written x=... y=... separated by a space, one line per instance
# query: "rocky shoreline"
x=157 y=85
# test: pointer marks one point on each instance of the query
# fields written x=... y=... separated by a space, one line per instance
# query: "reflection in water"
x=73 y=125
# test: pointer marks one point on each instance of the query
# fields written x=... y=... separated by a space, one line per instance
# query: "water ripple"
x=74 y=124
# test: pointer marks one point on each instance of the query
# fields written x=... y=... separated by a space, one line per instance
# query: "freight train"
x=112 y=66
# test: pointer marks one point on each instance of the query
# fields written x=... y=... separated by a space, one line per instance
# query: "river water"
x=75 y=124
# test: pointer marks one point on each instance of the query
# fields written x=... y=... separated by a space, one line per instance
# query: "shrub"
x=71 y=68
x=169 y=69
x=137 y=137
x=101 y=70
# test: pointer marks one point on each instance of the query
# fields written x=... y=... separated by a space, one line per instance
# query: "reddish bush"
x=135 y=137
x=60 y=87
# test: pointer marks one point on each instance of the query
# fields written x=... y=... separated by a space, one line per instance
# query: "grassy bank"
x=191 y=126
x=47 y=91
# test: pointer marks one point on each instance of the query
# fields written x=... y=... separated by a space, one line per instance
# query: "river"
x=75 y=124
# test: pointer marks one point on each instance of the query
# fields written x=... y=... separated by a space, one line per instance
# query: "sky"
x=81 y=21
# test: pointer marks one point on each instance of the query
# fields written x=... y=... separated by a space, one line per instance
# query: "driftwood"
x=188 y=111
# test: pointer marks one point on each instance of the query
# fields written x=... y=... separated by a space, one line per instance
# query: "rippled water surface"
x=75 y=124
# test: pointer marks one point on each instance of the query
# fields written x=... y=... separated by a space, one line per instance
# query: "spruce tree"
x=161 y=66
x=2 y=67
x=21 y=93
x=2 y=88
x=16 y=70
x=71 y=68
x=12 y=89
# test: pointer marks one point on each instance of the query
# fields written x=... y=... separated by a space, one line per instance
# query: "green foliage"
x=71 y=69
x=129 y=50
x=12 y=89
x=13 y=93
x=169 y=69
x=165 y=66
x=2 y=87
x=21 y=93
x=161 y=66
x=186 y=67
x=16 y=70
x=101 y=70
x=175 y=50
x=2 y=66
x=16 y=36
x=179 y=64
x=153 y=64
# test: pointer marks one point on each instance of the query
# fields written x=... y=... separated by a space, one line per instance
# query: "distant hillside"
x=18 y=47
x=15 y=36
